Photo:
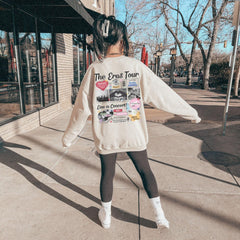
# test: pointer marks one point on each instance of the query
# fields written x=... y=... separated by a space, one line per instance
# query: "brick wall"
x=64 y=68
x=65 y=78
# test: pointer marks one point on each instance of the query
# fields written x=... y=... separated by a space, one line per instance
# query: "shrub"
x=220 y=73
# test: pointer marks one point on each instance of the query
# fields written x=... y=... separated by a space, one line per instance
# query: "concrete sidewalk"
x=49 y=193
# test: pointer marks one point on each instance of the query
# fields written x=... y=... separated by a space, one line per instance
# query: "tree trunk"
x=190 y=65
x=236 y=84
x=206 y=75
x=189 y=74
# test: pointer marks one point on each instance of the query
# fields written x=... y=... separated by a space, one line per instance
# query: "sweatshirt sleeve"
x=81 y=110
x=159 y=95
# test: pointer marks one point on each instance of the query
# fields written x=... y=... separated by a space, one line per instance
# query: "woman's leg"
x=140 y=161
x=108 y=162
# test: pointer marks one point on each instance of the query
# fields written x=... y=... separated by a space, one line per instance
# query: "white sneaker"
x=161 y=221
x=105 y=218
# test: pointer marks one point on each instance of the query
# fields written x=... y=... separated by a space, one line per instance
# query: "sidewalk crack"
x=138 y=189
x=54 y=165
x=229 y=170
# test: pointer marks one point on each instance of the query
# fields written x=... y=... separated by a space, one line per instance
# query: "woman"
x=118 y=118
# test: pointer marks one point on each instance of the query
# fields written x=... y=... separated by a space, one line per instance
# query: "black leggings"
x=140 y=161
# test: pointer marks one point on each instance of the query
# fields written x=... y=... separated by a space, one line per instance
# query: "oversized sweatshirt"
x=114 y=92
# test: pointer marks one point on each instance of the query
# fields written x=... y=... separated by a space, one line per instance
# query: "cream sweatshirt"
x=114 y=92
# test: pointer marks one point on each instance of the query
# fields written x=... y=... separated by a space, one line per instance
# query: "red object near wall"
x=87 y=60
x=143 y=54
x=146 y=59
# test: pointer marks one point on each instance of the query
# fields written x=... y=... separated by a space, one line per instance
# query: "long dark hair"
x=117 y=31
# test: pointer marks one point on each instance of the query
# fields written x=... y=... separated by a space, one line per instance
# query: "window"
x=9 y=85
x=30 y=82
x=47 y=67
x=78 y=65
x=78 y=62
x=29 y=68
x=82 y=58
x=27 y=64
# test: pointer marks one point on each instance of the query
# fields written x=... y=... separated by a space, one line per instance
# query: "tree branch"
x=215 y=28
x=214 y=8
x=175 y=37
x=189 y=21
x=177 y=10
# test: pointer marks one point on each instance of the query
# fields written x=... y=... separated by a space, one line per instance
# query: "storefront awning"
x=66 y=16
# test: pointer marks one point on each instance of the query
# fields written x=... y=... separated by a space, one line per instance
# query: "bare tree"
x=206 y=22
x=134 y=11
x=188 y=25
x=207 y=57
x=141 y=31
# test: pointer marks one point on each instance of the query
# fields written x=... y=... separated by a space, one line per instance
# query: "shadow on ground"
x=17 y=162
x=224 y=151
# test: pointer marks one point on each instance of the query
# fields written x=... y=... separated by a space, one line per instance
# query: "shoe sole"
x=105 y=226
x=161 y=226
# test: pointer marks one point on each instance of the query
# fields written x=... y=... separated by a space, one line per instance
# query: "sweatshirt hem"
x=118 y=150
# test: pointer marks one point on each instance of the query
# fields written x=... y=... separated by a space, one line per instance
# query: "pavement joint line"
x=193 y=172
x=138 y=190
x=229 y=170
x=173 y=156
x=85 y=138
x=55 y=164
x=202 y=192
x=205 y=142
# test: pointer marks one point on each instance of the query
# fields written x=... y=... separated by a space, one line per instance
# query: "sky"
x=120 y=15
x=119 y=9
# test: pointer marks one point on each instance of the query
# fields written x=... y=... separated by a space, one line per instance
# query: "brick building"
x=45 y=49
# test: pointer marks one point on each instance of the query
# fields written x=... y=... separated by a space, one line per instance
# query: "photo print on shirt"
x=102 y=92
x=133 y=108
x=134 y=82
x=118 y=94
x=117 y=83
x=105 y=115
x=113 y=113
x=123 y=88
x=133 y=93
x=102 y=95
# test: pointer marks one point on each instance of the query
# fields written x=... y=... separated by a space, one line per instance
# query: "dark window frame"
x=23 y=112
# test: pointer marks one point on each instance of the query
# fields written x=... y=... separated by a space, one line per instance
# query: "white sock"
x=158 y=212
x=107 y=206
x=156 y=202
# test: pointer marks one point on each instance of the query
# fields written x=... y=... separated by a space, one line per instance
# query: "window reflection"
x=27 y=79
x=78 y=63
x=47 y=67
x=78 y=68
x=29 y=67
x=9 y=94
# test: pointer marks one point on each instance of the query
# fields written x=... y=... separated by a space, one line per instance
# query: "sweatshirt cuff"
x=197 y=120
x=66 y=142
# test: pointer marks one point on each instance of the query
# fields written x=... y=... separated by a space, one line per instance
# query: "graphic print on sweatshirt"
x=118 y=96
